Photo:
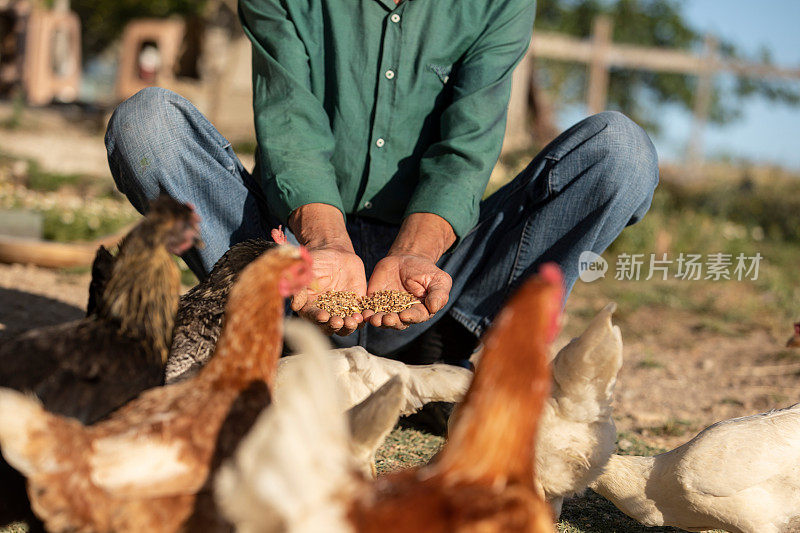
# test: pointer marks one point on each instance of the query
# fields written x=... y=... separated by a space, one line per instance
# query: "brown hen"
x=146 y=467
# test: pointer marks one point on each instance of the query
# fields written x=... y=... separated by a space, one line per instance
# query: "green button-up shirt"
x=382 y=110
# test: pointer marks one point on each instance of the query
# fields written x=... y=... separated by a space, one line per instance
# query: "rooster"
x=576 y=432
x=483 y=480
x=147 y=466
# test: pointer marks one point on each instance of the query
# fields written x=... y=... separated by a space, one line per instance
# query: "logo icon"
x=591 y=266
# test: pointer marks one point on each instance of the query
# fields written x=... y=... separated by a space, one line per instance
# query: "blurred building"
x=205 y=59
x=40 y=51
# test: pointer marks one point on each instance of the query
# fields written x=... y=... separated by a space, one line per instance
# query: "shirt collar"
x=390 y=5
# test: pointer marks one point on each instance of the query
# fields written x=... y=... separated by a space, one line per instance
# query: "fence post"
x=597 y=90
x=702 y=106
x=518 y=126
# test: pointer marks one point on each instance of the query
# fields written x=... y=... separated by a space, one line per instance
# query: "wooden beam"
x=518 y=126
x=702 y=105
x=565 y=48
x=597 y=87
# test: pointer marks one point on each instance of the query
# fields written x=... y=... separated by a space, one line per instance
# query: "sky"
x=767 y=132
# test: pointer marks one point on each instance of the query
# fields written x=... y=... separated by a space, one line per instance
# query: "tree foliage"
x=638 y=93
x=104 y=20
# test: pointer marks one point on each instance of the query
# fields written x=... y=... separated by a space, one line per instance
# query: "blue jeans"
x=577 y=194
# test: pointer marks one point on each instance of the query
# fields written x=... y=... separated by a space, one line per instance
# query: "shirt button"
x=368 y=205
x=379 y=143
x=395 y=18
x=389 y=74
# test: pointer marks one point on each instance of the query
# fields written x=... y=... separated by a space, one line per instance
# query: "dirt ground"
x=682 y=372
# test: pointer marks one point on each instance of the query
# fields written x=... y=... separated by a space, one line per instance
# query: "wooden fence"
x=600 y=54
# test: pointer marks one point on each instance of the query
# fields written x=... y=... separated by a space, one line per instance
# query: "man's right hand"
x=336 y=267
x=333 y=270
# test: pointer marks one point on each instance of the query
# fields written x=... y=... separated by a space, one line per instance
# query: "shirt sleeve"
x=454 y=171
x=295 y=141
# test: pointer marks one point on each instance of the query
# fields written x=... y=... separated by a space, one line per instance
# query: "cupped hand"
x=413 y=273
x=334 y=269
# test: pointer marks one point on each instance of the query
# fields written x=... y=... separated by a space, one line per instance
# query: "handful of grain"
x=339 y=303
x=389 y=301
x=346 y=303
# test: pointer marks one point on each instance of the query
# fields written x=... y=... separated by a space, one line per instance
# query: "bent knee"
x=630 y=156
x=141 y=116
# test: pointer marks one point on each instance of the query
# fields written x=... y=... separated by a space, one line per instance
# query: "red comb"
x=797 y=328
x=278 y=236
x=305 y=255
x=551 y=273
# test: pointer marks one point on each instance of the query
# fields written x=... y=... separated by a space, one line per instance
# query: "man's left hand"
x=416 y=274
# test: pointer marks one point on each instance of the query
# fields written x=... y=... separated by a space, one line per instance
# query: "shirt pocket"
x=441 y=71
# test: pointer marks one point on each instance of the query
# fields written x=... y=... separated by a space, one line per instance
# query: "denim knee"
x=139 y=118
x=630 y=159
x=149 y=123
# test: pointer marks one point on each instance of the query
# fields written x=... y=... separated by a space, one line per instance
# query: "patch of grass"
x=81 y=225
x=649 y=361
x=15 y=120
x=40 y=180
x=187 y=276
x=715 y=325
x=787 y=356
x=406 y=447
x=591 y=513
x=632 y=444
x=732 y=401
x=673 y=427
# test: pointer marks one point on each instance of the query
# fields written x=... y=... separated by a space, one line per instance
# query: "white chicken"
x=741 y=475
x=576 y=432
x=298 y=453
x=359 y=373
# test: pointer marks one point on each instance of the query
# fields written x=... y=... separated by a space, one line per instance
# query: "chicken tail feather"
x=492 y=437
x=23 y=423
x=586 y=369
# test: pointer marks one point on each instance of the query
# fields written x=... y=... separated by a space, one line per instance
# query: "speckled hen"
x=201 y=310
